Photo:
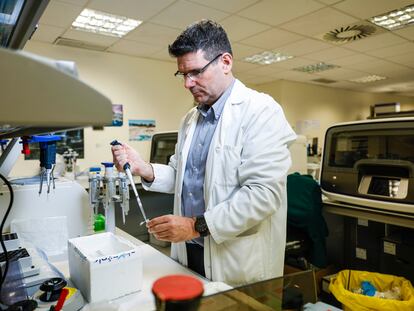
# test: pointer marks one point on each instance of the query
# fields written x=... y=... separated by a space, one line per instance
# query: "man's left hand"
x=173 y=228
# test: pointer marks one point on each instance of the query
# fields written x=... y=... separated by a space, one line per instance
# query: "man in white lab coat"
x=228 y=172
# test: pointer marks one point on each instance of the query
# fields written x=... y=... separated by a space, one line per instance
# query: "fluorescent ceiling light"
x=267 y=58
x=104 y=23
x=395 y=19
x=368 y=79
x=316 y=67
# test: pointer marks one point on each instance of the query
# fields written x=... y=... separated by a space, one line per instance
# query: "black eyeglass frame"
x=193 y=74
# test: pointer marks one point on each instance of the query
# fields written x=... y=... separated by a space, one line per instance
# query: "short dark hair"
x=205 y=35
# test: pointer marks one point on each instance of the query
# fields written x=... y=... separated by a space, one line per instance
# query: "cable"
x=3 y=246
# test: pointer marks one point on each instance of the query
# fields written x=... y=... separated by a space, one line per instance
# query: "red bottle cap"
x=177 y=287
x=25 y=148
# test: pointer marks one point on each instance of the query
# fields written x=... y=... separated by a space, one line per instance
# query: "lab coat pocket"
x=242 y=260
x=227 y=165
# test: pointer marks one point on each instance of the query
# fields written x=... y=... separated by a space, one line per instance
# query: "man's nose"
x=188 y=83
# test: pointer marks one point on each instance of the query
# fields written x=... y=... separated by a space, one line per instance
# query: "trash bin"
x=343 y=284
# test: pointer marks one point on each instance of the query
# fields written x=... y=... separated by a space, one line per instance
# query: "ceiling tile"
x=393 y=50
x=266 y=70
x=344 y=85
x=407 y=32
x=253 y=79
x=178 y=15
x=380 y=67
x=375 y=42
x=46 y=33
x=330 y=2
x=231 y=6
x=330 y=54
x=271 y=39
x=60 y=14
x=354 y=59
x=371 y=7
x=270 y=12
x=153 y=34
x=245 y=77
x=340 y=74
x=404 y=59
x=319 y=22
x=297 y=76
x=134 y=48
x=400 y=72
x=89 y=37
x=239 y=66
x=294 y=63
x=74 y=2
x=303 y=47
x=164 y=56
x=138 y=9
x=240 y=51
x=238 y=28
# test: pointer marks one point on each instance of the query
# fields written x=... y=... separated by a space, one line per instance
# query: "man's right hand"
x=123 y=154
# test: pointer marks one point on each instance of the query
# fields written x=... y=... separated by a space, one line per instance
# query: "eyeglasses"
x=196 y=73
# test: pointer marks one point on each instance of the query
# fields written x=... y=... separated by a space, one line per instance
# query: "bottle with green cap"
x=99 y=223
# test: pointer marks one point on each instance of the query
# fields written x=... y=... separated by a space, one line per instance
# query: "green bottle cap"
x=99 y=224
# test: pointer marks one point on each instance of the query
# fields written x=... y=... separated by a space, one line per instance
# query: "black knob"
x=52 y=289
x=24 y=305
x=115 y=142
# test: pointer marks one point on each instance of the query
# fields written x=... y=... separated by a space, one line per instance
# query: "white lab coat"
x=244 y=188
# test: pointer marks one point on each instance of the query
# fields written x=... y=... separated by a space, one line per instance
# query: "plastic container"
x=177 y=293
x=105 y=266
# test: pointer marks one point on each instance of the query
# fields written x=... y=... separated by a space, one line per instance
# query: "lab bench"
x=270 y=294
x=155 y=265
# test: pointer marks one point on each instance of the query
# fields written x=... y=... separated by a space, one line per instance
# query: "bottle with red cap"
x=177 y=293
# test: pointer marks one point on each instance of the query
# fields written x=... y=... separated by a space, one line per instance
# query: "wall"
x=147 y=89
x=326 y=105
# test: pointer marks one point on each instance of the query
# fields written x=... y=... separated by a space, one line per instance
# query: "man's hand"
x=173 y=228
x=124 y=153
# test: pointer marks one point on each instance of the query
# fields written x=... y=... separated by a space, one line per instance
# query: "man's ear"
x=227 y=61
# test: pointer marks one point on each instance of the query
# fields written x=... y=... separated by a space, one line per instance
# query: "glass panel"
x=266 y=295
x=349 y=147
x=9 y=13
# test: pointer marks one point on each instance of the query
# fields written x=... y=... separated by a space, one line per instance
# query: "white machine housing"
x=68 y=199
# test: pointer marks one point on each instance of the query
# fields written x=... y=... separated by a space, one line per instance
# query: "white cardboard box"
x=105 y=266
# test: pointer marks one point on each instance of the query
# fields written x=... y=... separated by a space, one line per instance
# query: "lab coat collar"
x=238 y=94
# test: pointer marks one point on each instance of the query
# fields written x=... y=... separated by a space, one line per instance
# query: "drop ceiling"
x=294 y=27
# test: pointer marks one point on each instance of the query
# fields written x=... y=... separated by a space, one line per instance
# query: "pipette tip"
x=144 y=222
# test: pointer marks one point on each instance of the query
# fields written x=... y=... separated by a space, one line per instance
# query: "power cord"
x=3 y=246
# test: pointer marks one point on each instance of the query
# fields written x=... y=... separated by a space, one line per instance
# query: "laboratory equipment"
x=127 y=169
x=69 y=200
x=3 y=144
x=371 y=163
x=70 y=157
x=104 y=190
x=35 y=107
x=21 y=255
x=47 y=147
x=58 y=294
x=19 y=21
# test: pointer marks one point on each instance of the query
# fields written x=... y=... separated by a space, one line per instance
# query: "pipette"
x=127 y=169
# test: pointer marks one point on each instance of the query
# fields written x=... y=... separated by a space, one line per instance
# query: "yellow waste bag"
x=342 y=285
